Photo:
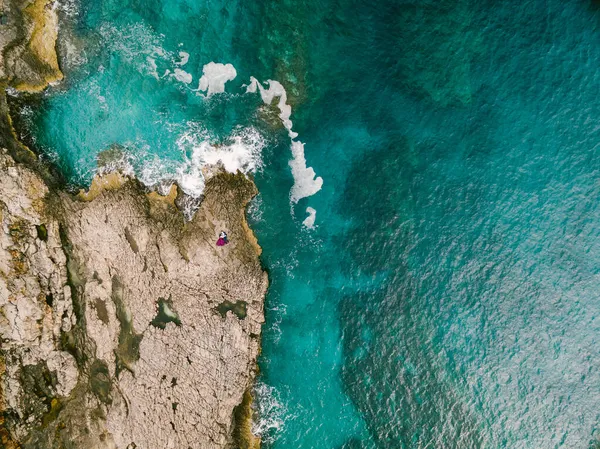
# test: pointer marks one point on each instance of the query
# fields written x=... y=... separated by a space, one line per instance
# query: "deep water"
x=449 y=294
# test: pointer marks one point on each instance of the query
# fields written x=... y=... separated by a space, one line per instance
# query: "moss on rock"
x=242 y=435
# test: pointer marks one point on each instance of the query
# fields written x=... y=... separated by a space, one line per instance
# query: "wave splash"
x=271 y=412
x=242 y=152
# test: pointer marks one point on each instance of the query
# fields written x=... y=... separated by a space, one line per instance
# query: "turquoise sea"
x=447 y=295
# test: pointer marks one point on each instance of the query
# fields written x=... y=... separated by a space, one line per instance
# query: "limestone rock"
x=114 y=333
x=28 y=37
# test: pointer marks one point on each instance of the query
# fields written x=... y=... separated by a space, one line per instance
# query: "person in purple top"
x=222 y=239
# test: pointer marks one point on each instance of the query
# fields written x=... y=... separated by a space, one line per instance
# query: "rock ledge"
x=114 y=333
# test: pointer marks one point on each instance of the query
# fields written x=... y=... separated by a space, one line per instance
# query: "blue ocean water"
x=448 y=295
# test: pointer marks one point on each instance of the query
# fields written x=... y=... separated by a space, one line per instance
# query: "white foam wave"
x=271 y=412
x=241 y=152
x=182 y=76
x=275 y=90
x=306 y=182
x=157 y=173
x=214 y=77
x=309 y=221
x=69 y=7
x=72 y=55
x=152 y=67
x=12 y=92
x=184 y=58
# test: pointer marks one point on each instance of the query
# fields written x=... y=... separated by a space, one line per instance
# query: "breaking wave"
x=271 y=412
x=240 y=152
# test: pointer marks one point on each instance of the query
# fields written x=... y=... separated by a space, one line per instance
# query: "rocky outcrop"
x=32 y=274
x=122 y=324
x=28 y=33
x=114 y=318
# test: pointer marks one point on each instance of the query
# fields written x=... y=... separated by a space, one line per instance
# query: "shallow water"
x=448 y=293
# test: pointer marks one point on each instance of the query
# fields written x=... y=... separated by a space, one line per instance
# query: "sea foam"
x=184 y=58
x=275 y=90
x=69 y=7
x=183 y=76
x=271 y=412
x=309 y=221
x=214 y=77
x=306 y=183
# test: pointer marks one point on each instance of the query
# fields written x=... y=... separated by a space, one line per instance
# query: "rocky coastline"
x=122 y=325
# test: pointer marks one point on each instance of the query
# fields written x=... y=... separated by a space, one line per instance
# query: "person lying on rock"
x=222 y=239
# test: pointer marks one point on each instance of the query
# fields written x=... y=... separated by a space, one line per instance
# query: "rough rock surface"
x=32 y=273
x=28 y=33
x=121 y=324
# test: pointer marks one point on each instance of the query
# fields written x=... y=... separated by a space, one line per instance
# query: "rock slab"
x=115 y=316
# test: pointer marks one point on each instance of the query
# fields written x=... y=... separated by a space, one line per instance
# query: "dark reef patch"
x=100 y=382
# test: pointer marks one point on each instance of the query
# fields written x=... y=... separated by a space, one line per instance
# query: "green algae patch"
x=74 y=342
x=100 y=382
x=242 y=435
x=128 y=351
x=56 y=406
x=166 y=314
x=42 y=232
x=39 y=387
x=239 y=309
x=101 y=310
x=6 y=440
